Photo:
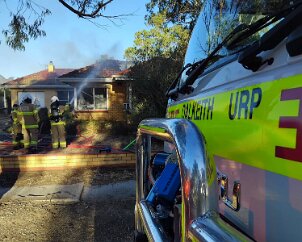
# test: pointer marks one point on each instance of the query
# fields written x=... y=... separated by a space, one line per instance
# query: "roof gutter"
x=36 y=86
x=98 y=80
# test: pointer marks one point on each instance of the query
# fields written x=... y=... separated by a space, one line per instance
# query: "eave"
x=36 y=86
x=103 y=80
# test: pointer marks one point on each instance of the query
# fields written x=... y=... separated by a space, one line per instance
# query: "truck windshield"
x=220 y=17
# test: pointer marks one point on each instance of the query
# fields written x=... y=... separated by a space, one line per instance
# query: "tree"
x=161 y=40
x=29 y=17
x=151 y=79
x=184 y=12
x=158 y=53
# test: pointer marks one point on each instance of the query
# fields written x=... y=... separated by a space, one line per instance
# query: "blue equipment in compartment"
x=166 y=186
x=160 y=159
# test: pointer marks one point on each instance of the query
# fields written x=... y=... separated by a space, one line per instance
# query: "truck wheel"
x=140 y=237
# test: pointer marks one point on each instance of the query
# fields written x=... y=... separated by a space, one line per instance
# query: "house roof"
x=39 y=80
x=3 y=79
x=107 y=71
x=101 y=69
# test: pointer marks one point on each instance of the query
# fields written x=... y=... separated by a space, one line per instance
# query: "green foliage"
x=158 y=53
x=161 y=40
x=21 y=28
x=184 y=12
x=151 y=80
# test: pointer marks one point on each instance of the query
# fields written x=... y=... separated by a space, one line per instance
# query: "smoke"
x=70 y=55
x=96 y=70
x=77 y=54
x=80 y=88
x=115 y=50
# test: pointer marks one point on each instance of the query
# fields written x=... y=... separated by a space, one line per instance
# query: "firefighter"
x=29 y=119
x=69 y=117
x=57 y=124
x=67 y=113
x=17 y=127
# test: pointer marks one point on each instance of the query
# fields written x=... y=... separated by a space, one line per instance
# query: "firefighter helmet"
x=54 y=99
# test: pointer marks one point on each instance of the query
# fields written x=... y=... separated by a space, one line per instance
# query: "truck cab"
x=226 y=162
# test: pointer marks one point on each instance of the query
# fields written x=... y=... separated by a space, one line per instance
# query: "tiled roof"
x=40 y=78
x=101 y=69
x=3 y=79
x=123 y=72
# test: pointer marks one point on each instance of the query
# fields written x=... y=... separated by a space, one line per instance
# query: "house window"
x=92 y=99
x=38 y=98
x=100 y=98
x=65 y=96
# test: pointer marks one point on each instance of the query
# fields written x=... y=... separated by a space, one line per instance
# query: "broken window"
x=92 y=99
x=100 y=98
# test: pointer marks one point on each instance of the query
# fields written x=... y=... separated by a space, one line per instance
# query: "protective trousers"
x=58 y=135
x=17 y=129
x=30 y=137
x=29 y=115
x=17 y=134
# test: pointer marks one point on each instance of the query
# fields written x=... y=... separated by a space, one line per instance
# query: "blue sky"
x=72 y=42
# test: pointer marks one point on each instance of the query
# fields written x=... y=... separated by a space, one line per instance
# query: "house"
x=97 y=92
x=101 y=91
x=3 y=97
x=41 y=86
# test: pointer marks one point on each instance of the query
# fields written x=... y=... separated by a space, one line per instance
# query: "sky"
x=71 y=42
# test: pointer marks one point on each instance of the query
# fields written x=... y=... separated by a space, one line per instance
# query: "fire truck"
x=226 y=162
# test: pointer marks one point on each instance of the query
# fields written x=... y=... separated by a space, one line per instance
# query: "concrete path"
x=111 y=191
x=50 y=193
x=69 y=193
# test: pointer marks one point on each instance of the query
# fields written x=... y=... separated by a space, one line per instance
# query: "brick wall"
x=48 y=162
x=117 y=98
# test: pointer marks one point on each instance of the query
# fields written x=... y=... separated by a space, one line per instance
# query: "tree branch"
x=84 y=5
x=82 y=13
